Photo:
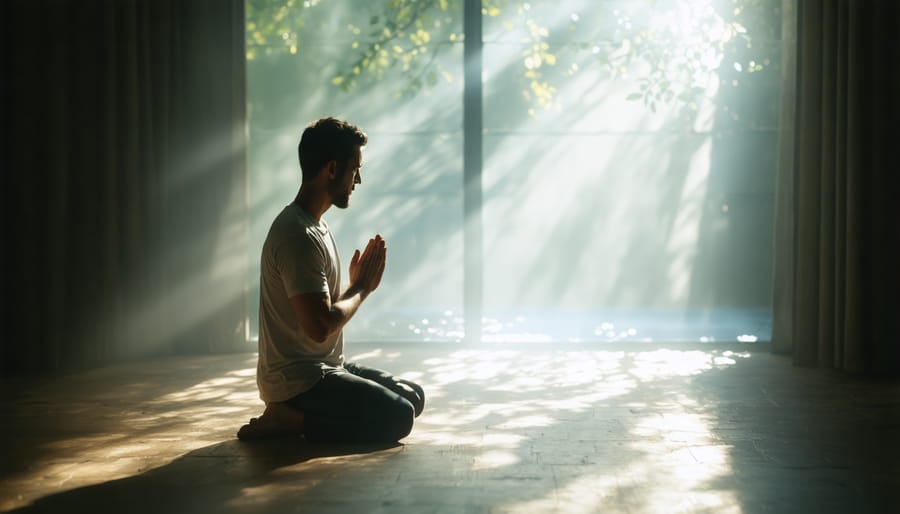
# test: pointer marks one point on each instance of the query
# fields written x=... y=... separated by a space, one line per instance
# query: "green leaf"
x=373 y=20
x=634 y=96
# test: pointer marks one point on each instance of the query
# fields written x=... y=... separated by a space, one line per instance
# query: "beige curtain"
x=837 y=216
x=124 y=184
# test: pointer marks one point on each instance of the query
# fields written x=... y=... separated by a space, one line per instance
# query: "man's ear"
x=331 y=168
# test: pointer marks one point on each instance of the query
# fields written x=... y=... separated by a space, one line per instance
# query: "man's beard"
x=340 y=199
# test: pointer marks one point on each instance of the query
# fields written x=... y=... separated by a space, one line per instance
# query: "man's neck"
x=314 y=202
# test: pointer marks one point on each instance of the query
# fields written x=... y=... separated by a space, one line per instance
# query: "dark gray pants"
x=359 y=404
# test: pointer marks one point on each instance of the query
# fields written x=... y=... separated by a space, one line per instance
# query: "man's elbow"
x=324 y=330
x=318 y=332
x=328 y=325
x=319 y=335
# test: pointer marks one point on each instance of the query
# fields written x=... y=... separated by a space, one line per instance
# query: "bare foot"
x=277 y=420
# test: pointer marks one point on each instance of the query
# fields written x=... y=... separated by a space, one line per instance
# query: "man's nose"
x=358 y=178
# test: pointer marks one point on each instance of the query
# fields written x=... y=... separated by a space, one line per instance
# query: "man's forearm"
x=344 y=309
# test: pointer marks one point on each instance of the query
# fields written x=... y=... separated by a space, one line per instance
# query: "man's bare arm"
x=319 y=316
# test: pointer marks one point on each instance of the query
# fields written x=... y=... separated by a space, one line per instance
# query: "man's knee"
x=400 y=420
x=416 y=395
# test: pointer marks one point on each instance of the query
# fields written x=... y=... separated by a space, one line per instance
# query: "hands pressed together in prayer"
x=366 y=268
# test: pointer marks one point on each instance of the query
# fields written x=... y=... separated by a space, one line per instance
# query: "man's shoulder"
x=294 y=232
x=289 y=223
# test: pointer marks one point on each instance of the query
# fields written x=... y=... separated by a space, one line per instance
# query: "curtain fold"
x=836 y=296
x=122 y=239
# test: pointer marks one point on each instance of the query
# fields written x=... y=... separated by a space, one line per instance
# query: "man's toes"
x=244 y=432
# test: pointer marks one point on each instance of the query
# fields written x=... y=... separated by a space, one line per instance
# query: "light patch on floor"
x=524 y=429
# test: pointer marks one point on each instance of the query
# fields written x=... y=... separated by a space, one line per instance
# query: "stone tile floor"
x=507 y=428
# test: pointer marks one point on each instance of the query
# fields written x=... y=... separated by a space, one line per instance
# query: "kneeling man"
x=307 y=387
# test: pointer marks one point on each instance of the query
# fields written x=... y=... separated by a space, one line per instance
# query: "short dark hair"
x=327 y=139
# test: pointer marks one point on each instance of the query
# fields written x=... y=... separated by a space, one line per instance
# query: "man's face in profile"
x=345 y=182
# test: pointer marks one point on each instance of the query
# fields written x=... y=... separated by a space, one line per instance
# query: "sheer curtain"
x=837 y=217
x=123 y=179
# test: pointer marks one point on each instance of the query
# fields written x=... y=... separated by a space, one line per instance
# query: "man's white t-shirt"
x=299 y=256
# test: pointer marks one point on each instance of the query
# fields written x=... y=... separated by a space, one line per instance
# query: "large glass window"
x=628 y=160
